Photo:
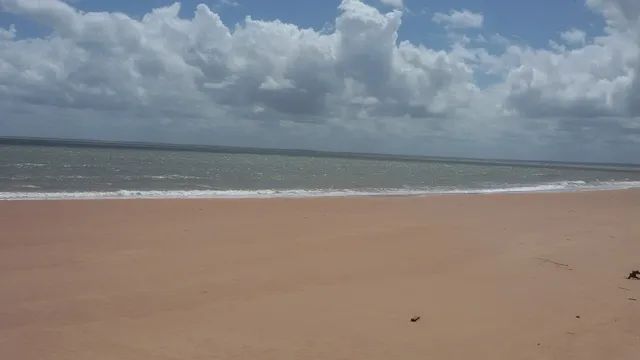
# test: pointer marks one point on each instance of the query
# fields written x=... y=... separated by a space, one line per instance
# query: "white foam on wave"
x=28 y=165
x=171 y=177
x=564 y=186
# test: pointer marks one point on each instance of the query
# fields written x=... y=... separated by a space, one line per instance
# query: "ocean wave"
x=563 y=186
x=66 y=177
x=171 y=177
x=25 y=165
x=27 y=186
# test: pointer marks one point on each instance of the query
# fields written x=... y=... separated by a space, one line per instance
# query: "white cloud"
x=272 y=84
x=8 y=34
x=398 y=4
x=459 y=19
x=348 y=87
x=226 y=3
x=619 y=14
x=594 y=80
x=574 y=37
x=163 y=63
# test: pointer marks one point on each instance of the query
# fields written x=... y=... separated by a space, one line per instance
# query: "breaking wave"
x=563 y=186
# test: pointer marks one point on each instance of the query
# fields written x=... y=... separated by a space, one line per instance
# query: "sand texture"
x=536 y=276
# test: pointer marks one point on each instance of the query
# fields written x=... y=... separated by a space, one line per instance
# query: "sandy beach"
x=520 y=276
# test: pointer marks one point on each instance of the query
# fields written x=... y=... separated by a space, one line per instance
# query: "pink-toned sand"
x=492 y=277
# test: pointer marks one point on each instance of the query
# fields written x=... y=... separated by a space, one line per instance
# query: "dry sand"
x=492 y=277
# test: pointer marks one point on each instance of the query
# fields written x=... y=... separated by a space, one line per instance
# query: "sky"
x=545 y=80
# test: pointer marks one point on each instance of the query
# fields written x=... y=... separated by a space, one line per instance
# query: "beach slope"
x=522 y=276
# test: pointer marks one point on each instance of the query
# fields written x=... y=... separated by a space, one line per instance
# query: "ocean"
x=58 y=172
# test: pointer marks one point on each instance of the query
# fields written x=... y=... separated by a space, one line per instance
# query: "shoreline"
x=514 y=276
x=311 y=193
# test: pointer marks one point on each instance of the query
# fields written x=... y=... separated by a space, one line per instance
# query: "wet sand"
x=535 y=276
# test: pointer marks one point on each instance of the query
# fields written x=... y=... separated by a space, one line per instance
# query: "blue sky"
x=546 y=79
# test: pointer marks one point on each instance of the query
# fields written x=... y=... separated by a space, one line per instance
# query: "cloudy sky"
x=548 y=79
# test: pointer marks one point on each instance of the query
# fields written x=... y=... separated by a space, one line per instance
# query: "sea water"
x=52 y=172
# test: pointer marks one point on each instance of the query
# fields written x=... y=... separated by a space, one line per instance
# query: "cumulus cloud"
x=399 y=4
x=619 y=14
x=580 y=82
x=230 y=3
x=353 y=87
x=459 y=19
x=574 y=37
x=165 y=63
x=8 y=34
x=595 y=80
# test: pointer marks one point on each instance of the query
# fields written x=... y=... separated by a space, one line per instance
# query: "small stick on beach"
x=552 y=262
